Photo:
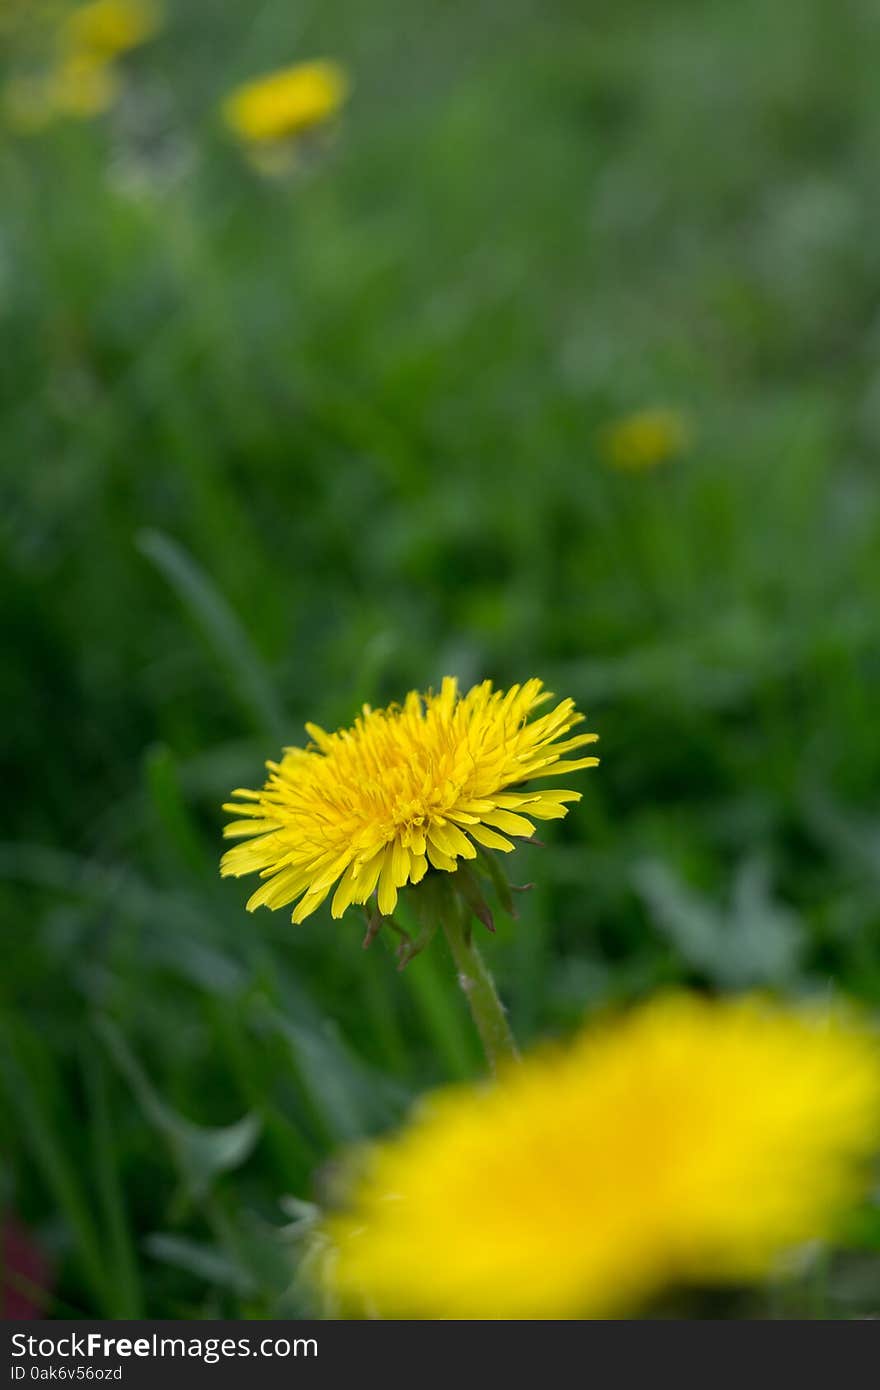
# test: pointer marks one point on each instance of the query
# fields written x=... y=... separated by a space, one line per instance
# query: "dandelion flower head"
x=283 y=104
x=104 y=29
x=82 y=87
x=406 y=788
x=641 y=441
x=82 y=80
x=690 y=1142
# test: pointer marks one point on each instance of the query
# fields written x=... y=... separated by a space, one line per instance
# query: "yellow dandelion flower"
x=283 y=104
x=79 y=86
x=82 y=86
x=646 y=438
x=104 y=29
x=423 y=783
x=690 y=1142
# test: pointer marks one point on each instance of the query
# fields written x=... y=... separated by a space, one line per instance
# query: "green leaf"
x=347 y=1098
x=221 y=629
x=28 y=1099
x=756 y=941
x=121 y=1259
x=206 y=1262
x=174 y=923
x=200 y=1153
x=163 y=783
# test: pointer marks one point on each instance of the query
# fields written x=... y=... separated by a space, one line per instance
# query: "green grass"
x=271 y=450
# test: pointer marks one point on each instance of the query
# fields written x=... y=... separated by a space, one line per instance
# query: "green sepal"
x=487 y=861
x=470 y=889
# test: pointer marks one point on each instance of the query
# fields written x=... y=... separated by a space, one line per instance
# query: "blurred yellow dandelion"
x=83 y=79
x=82 y=86
x=79 y=86
x=415 y=785
x=104 y=29
x=641 y=441
x=692 y=1141
x=286 y=103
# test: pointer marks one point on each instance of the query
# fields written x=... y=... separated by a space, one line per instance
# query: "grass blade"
x=221 y=629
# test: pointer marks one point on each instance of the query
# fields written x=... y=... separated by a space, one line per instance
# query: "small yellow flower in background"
x=83 y=80
x=104 y=29
x=82 y=86
x=285 y=104
x=641 y=441
x=689 y=1142
x=417 y=784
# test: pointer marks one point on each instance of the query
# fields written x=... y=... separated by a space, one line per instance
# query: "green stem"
x=479 y=991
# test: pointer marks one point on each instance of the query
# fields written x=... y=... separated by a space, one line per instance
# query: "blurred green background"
x=274 y=447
